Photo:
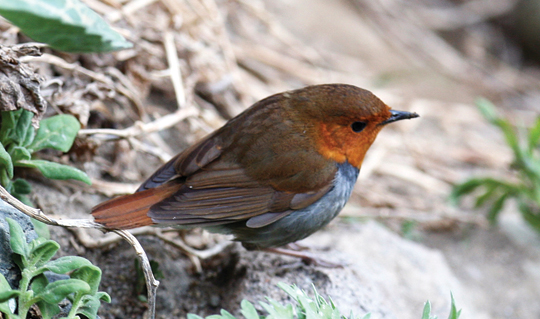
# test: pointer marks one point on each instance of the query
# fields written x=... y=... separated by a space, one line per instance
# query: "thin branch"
x=140 y=128
x=151 y=282
x=174 y=66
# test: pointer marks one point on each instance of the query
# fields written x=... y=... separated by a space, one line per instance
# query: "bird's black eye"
x=358 y=127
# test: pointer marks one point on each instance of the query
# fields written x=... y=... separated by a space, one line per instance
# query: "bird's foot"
x=306 y=257
x=296 y=247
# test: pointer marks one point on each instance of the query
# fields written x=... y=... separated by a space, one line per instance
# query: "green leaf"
x=9 y=121
x=454 y=314
x=534 y=135
x=22 y=187
x=465 y=188
x=290 y=290
x=192 y=316
x=66 y=25
x=103 y=296
x=41 y=229
x=426 y=314
x=17 y=240
x=487 y=109
x=6 y=292
x=24 y=126
x=19 y=153
x=57 y=132
x=91 y=275
x=5 y=295
x=511 y=139
x=48 y=311
x=56 y=171
x=5 y=161
x=42 y=253
x=29 y=136
x=277 y=311
x=56 y=291
x=248 y=310
x=39 y=283
x=66 y=264
x=530 y=216
x=16 y=125
x=90 y=306
x=226 y=315
x=496 y=208
x=4 y=285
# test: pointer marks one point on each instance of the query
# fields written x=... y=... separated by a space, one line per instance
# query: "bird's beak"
x=399 y=115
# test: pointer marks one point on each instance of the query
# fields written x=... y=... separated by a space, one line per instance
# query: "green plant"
x=140 y=282
x=525 y=145
x=66 y=25
x=454 y=313
x=19 y=140
x=34 y=259
x=307 y=308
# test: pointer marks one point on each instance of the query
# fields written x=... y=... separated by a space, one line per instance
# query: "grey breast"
x=303 y=222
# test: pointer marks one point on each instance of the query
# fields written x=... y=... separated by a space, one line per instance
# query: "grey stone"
x=7 y=267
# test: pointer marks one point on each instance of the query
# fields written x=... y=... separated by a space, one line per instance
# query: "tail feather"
x=131 y=211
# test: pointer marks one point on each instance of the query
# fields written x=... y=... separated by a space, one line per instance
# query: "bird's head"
x=344 y=120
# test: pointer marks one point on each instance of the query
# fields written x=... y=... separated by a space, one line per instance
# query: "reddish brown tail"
x=130 y=211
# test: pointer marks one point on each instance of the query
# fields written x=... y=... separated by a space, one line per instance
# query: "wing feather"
x=228 y=177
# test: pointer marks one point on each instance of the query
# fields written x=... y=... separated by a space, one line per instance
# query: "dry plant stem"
x=281 y=33
x=194 y=254
x=156 y=151
x=308 y=74
x=202 y=254
x=140 y=128
x=151 y=282
x=128 y=9
x=61 y=63
x=166 y=121
x=174 y=66
x=112 y=189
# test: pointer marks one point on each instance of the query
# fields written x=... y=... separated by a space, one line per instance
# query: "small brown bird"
x=275 y=174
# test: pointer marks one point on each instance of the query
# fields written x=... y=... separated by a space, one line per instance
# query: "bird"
x=273 y=175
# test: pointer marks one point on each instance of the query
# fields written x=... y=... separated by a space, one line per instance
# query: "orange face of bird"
x=346 y=122
x=350 y=139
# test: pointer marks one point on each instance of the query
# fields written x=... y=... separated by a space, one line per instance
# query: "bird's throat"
x=345 y=147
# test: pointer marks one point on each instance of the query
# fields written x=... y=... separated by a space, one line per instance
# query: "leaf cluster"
x=525 y=145
x=81 y=289
x=66 y=25
x=305 y=308
x=454 y=313
x=19 y=141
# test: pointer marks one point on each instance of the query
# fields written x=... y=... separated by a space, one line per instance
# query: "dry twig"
x=151 y=282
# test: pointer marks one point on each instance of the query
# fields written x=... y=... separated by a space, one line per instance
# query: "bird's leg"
x=296 y=247
x=306 y=257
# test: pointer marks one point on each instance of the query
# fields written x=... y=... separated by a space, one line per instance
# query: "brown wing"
x=186 y=163
x=216 y=196
x=255 y=168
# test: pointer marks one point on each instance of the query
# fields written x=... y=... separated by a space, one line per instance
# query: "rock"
x=7 y=267
x=384 y=274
